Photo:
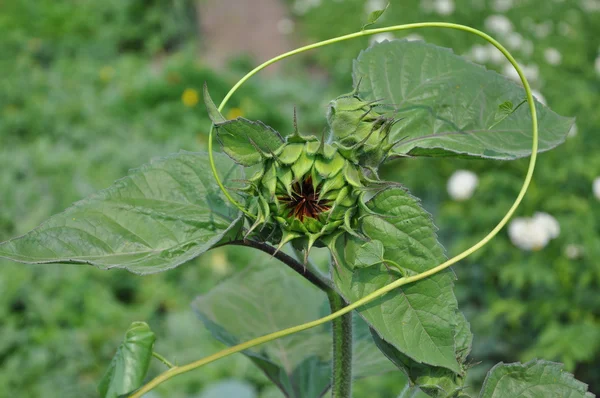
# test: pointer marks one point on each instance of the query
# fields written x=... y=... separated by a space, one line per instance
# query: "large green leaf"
x=451 y=106
x=436 y=381
x=129 y=366
x=266 y=297
x=534 y=379
x=419 y=319
x=245 y=141
x=158 y=217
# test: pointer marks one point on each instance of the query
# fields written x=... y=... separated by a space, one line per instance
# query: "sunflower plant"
x=387 y=280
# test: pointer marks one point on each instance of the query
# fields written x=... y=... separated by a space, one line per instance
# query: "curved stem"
x=402 y=281
x=341 y=383
x=312 y=277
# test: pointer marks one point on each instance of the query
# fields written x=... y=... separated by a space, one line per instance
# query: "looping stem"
x=402 y=281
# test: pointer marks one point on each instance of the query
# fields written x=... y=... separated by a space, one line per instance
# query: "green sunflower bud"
x=304 y=193
x=361 y=132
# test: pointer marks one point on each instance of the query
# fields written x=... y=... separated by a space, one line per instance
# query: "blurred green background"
x=90 y=89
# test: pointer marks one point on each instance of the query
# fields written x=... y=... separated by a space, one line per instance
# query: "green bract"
x=360 y=132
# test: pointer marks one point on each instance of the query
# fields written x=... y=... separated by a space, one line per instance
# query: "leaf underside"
x=161 y=215
x=449 y=106
x=129 y=366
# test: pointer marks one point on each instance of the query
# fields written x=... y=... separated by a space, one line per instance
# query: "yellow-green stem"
x=402 y=281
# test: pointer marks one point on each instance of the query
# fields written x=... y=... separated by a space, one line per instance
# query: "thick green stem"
x=341 y=383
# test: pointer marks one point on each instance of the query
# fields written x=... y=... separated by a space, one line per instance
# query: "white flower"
x=573 y=252
x=498 y=24
x=553 y=56
x=495 y=55
x=547 y=222
x=527 y=47
x=531 y=72
x=597 y=64
x=479 y=54
x=573 y=132
x=538 y=96
x=379 y=37
x=285 y=26
x=596 y=188
x=502 y=5
x=514 y=40
x=462 y=184
x=444 y=7
x=533 y=233
x=543 y=29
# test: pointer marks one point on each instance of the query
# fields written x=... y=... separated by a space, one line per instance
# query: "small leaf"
x=213 y=112
x=534 y=379
x=370 y=253
x=448 y=106
x=245 y=141
x=129 y=366
x=158 y=217
x=374 y=16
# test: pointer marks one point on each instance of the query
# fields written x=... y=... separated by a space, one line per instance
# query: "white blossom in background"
x=444 y=7
x=285 y=26
x=498 y=24
x=379 y=37
x=542 y=30
x=539 y=96
x=553 y=56
x=374 y=5
x=462 y=184
x=533 y=233
x=573 y=252
x=564 y=28
x=531 y=72
x=479 y=54
x=597 y=64
x=590 y=5
x=573 y=131
x=596 y=188
x=527 y=47
x=494 y=54
x=514 y=41
x=502 y=5
x=548 y=222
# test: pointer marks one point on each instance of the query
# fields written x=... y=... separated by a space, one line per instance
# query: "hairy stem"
x=341 y=383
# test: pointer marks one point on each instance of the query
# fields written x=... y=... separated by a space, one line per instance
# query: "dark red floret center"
x=304 y=201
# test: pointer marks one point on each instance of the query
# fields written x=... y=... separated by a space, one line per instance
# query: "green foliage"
x=129 y=366
x=81 y=105
x=419 y=319
x=265 y=295
x=160 y=216
x=535 y=379
x=446 y=104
